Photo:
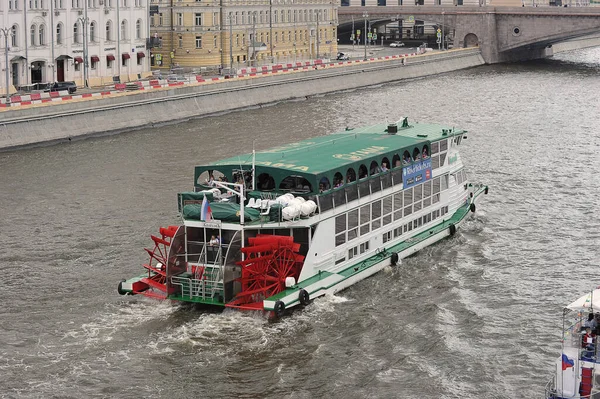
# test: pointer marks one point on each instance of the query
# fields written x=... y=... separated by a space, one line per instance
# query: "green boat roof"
x=323 y=156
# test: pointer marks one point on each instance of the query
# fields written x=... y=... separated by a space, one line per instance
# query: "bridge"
x=503 y=34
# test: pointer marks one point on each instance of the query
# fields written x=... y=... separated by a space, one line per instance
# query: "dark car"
x=342 y=57
x=60 y=86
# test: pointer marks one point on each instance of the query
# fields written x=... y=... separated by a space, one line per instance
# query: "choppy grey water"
x=475 y=316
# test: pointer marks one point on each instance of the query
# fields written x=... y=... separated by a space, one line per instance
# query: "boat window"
x=444 y=180
x=296 y=184
x=324 y=184
x=325 y=202
x=352 y=234
x=418 y=192
x=339 y=198
x=396 y=161
x=353 y=219
x=338 y=180
x=408 y=198
x=406 y=158
x=443 y=158
x=398 y=201
x=207 y=177
x=363 y=189
x=443 y=145
x=387 y=219
x=435 y=161
x=408 y=210
x=376 y=209
x=387 y=205
x=350 y=175
x=427 y=189
x=425 y=152
x=265 y=182
x=416 y=156
x=340 y=223
x=362 y=172
x=385 y=164
x=397 y=176
x=365 y=214
x=386 y=180
x=435 y=147
x=351 y=192
x=375 y=185
x=374 y=169
x=398 y=215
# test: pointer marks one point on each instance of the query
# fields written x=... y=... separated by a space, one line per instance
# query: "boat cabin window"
x=396 y=161
x=385 y=164
x=208 y=177
x=374 y=169
x=416 y=155
x=324 y=184
x=425 y=152
x=295 y=184
x=265 y=182
x=435 y=147
x=362 y=172
x=242 y=177
x=350 y=175
x=338 y=180
x=406 y=158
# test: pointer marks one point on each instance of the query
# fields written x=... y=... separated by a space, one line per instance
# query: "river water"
x=475 y=316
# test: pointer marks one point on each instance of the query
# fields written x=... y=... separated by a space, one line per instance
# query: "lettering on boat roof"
x=360 y=154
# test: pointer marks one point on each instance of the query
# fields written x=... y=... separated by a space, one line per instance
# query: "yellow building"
x=203 y=33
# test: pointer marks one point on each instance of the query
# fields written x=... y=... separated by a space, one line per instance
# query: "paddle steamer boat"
x=275 y=229
x=577 y=369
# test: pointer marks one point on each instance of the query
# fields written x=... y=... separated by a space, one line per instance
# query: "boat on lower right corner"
x=577 y=369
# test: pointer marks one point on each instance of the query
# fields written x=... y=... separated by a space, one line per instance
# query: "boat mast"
x=253 y=163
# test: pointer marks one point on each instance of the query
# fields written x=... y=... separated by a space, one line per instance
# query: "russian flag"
x=205 y=212
x=566 y=362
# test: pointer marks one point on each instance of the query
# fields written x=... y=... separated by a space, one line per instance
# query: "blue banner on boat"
x=416 y=173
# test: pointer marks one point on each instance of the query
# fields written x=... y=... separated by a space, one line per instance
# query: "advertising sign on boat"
x=416 y=173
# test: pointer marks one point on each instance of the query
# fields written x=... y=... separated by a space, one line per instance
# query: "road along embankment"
x=64 y=121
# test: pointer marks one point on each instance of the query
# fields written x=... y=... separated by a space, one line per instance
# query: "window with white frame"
x=198 y=41
x=198 y=19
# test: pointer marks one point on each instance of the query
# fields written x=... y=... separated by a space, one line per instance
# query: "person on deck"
x=591 y=322
x=214 y=241
x=384 y=167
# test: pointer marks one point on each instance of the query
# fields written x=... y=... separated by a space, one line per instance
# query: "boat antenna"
x=253 y=163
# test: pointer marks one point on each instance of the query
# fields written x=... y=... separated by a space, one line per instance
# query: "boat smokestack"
x=392 y=128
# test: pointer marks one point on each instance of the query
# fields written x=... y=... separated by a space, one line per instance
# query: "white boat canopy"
x=591 y=300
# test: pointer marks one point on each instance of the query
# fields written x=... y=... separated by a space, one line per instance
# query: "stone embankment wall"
x=65 y=121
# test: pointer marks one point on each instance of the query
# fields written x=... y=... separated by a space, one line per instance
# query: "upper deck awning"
x=326 y=155
x=587 y=302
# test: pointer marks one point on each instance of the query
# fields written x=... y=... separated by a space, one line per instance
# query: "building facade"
x=48 y=40
x=210 y=33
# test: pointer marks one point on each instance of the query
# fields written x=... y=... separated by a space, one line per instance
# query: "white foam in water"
x=126 y=315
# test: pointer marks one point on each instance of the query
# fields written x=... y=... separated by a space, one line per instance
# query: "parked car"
x=59 y=86
x=396 y=44
x=342 y=57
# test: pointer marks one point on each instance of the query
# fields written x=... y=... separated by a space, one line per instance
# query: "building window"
x=198 y=41
x=13 y=39
x=180 y=41
x=32 y=31
x=198 y=19
x=215 y=41
x=42 y=35
x=93 y=32
x=138 y=29
x=93 y=64
x=124 y=30
x=179 y=19
x=108 y=31
x=215 y=19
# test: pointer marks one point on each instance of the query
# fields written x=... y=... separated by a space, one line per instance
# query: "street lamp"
x=365 y=16
x=84 y=22
x=230 y=17
x=6 y=32
x=318 y=17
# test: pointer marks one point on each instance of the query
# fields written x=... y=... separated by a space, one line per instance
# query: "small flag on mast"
x=205 y=211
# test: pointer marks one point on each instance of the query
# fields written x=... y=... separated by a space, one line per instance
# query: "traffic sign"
x=369 y=35
x=375 y=36
x=439 y=34
x=439 y=30
x=411 y=18
x=358 y=31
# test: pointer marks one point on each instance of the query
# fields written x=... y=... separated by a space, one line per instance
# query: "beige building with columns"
x=203 y=33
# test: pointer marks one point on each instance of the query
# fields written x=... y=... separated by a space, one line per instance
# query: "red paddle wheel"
x=269 y=261
x=157 y=266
